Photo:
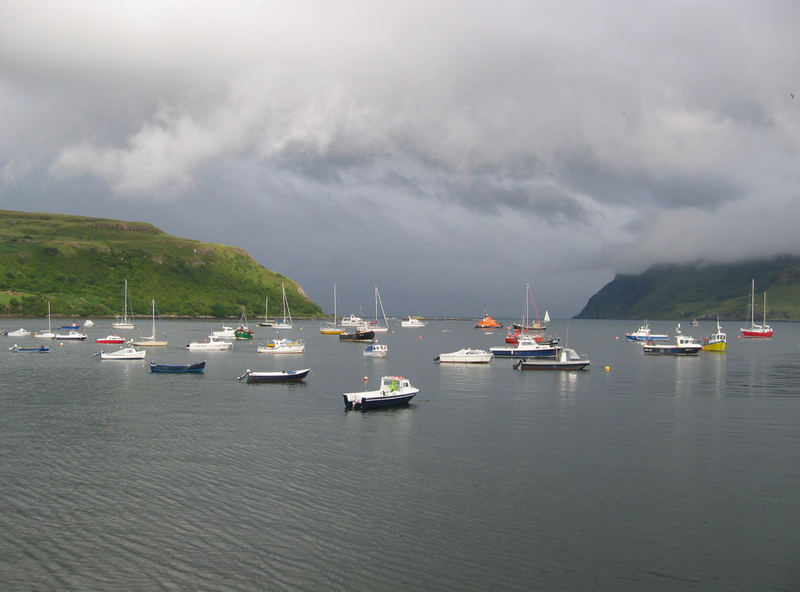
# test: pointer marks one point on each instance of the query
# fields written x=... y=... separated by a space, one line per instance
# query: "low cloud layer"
x=473 y=147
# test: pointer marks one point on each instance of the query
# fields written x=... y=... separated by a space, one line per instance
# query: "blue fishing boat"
x=684 y=346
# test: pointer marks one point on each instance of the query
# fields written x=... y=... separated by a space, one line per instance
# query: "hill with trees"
x=702 y=291
x=79 y=264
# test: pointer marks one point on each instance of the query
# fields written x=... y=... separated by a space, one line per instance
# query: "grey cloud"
x=606 y=126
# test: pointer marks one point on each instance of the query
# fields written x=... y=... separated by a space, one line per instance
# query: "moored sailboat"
x=286 y=321
x=332 y=328
x=124 y=322
x=150 y=340
x=375 y=325
x=49 y=333
x=267 y=322
x=757 y=330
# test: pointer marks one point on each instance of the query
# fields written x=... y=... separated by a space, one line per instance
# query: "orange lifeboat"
x=487 y=322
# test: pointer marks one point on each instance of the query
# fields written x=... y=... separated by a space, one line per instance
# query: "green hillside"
x=80 y=263
x=701 y=291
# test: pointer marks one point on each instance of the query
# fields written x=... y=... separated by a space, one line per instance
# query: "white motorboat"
x=71 y=336
x=225 y=333
x=643 y=333
x=280 y=376
x=412 y=322
x=352 y=321
x=527 y=347
x=466 y=355
x=394 y=391
x=567 y=359
x=283 y=346
x=19 y=333
x=376 y=350
x=126 y=353
x=213 y=344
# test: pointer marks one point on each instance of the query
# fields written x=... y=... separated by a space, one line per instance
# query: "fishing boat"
x=49 y=333
x=360 y=334
x=643 y=333
x=465 y=355
x=684 y=346
x=114 y=339
x=286 y=321
x=42 y=349
x=352 y=321
x=394 y=391
x=526 y=348
x=376 y=350
x=282 y=346
x=126 y=353
x=124 y=322
x=332 y=328
x=213 y=344
x=757 y=330
x=487 y=322
x=150 y=340
x=187 y=368
x=566 y=359
x=281 y=376
x=718 y=342
x=243 y=330
x=71 y=336
x=267 y=322
x=412 y=322
x=514 y=335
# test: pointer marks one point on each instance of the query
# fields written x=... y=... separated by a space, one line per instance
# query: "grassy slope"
x=701 y=291
x=79 y=264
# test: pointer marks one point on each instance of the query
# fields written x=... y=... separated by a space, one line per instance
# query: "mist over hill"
x=702 y=291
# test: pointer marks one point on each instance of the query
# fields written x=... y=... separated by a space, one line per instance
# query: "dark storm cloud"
x=644 y=189
x=607 y=127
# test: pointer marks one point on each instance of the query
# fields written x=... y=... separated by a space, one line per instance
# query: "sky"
x=447 y=152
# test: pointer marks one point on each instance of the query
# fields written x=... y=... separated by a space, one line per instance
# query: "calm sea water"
x=658 y=474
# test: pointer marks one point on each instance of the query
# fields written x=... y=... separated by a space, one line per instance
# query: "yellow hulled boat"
x=718 y=342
